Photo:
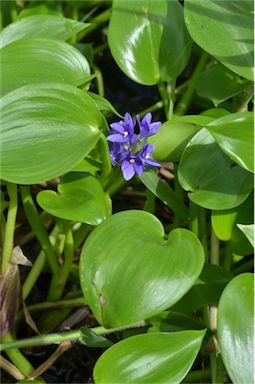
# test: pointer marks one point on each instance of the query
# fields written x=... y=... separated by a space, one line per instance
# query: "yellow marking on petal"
x=125 y=133
x=148 y=156
x=131 y=161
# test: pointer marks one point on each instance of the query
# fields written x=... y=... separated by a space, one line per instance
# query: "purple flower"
x=125 y=131
x=116 y=153
x=131 y=165
x=147 y=128
x=130 y=150
x=146 y=157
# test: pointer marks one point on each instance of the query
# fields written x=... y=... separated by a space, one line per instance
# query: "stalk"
x=183 y=104
x=10 y=225
x=38 y=228
x=64 y=336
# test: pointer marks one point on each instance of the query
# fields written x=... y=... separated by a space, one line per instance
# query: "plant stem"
x=11 y=369
x=16 y=356
x=154 y=107
x=58 y=282
x=202 y=223
x=38 y=266
x=170 y=88
x=228 y=257
x=149 y=205
x=197 y=376
x=106 y=161
x=10 y=225
x=100 y=81
x=179 y=193
x=37 y=226
x=96 y=22
x=215 y=260
x=164 y=97
x=193 y=209
x=183 y=104
x=64 y=336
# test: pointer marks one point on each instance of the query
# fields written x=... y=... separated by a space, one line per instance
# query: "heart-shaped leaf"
x=225 y=30
x=149 y=40
x=45 y=130
x=80 y=198
x=38 y=60
x=150 y=358
x=210 y=176
x=129 y=251
x=218 y=84
x=236 y=328
x=41 y=26
x=235 y=135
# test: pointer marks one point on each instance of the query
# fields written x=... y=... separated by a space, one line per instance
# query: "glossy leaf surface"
x=151 y=273
x=38 y=60
x=236 y=328
x=218 y=84
x=80 y=198
x=40 y=26
x=248 y=230
x=46 y=130
x=151 y=358
x=149 y=40
x=171 y=140
x=235 y=135
x=225 y=30
x=209 y=175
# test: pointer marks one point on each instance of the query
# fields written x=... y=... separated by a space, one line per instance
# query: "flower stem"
x=183 y=104
x=106 y=161
x=10 y=225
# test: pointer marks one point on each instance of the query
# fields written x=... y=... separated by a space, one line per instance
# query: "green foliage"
x=151 y=273
x=156 y=357
x=236 y=328
x=152 y=281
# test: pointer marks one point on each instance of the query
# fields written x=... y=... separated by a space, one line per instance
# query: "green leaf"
x=224 y=225
x=235 y=135
x=218 y=84
x=164 y=192
x=103 y=104
x=171 y=139
x=200 y=120
x=223 y=222
x=89 y=338
x=45 y=130
x=209 y=175
x=41 y=26
x=80 y=198
x=225 y=30
x=169 y=321
x=38 y=60
x=248 y=230
x=149 y=40
x=129 y=251
x=236 y=328
x=46 y=8
x=207 y=289
x=150 y=358
x=215 y=112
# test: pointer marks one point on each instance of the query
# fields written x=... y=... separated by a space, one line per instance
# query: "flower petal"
x=118 y=127
x=117 y=138
x=127 y=170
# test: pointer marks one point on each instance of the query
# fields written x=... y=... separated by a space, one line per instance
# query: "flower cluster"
x=128 y=146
